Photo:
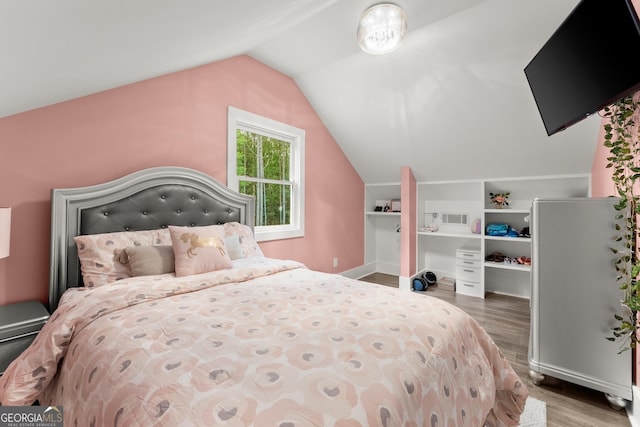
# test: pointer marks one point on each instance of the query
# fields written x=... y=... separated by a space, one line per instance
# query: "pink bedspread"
x=267 y=343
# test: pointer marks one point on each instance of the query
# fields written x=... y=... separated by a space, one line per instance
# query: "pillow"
x=233 y=247
x=248 y=242
x=199 y=249
x=96 y=253
x=147 y=260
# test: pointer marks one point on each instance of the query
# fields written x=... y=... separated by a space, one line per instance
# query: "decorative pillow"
x=147 y=260
x=96 y=253
x=199 y=249
x=233 y=247
x=248 y=242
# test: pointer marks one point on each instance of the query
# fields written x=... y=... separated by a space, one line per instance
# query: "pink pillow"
x=96 y=253
x=199 y=249
x=248 y=242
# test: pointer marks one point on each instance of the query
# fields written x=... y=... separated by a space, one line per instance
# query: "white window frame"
x=240 y=119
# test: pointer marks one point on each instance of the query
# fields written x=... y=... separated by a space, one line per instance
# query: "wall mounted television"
x=588 y=63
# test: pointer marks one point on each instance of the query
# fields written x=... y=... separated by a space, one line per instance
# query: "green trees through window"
x=265 y=159
x=263 y=170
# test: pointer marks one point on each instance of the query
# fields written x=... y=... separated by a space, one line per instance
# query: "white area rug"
x=535 y=413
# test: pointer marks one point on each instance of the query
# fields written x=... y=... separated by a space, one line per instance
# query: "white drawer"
x=469 y=274
x=468 y=254
x=469 y=288
x=468 y=263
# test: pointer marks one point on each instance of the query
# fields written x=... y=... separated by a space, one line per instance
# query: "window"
x=265 y=159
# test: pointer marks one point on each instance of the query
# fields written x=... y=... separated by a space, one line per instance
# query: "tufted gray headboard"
x=145 y=200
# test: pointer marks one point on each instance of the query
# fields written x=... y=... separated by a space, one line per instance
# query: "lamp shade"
x=381 y=29
x=5 y=231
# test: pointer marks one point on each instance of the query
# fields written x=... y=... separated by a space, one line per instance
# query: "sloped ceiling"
x=452 y=102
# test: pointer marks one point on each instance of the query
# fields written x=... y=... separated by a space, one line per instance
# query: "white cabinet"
x=469 y=272
x=453 y=206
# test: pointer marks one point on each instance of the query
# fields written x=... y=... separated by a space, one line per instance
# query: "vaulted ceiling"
x=452 y=102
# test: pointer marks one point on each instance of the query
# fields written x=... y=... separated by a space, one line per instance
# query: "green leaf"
x=622 y=140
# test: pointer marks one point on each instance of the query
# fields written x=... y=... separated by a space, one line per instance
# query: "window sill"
x=265 y=234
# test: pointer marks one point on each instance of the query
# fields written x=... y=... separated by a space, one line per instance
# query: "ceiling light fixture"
x=381 y=28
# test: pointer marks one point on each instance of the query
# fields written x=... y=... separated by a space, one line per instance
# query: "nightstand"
x=19 y=325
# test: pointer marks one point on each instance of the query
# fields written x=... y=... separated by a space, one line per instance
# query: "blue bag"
x=497 y=229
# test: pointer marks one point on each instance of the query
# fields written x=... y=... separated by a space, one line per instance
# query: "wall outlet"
x=335 y=262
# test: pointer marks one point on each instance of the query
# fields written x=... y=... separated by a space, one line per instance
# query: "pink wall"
x=408 y=223
x=178 y=119
x=601 y=183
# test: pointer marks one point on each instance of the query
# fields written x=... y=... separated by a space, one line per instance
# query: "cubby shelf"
x=444 y=234
x=507 y=210
x=517 y=267
x=376 y=213
x=382 y=243
x=509 y=239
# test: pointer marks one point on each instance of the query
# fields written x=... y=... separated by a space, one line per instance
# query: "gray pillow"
x=148 y=260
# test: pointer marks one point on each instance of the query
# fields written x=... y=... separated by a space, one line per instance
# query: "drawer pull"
x=469 y=271
x=468 y=262
x=467 y=285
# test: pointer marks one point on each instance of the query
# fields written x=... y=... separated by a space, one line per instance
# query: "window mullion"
x=265 y=180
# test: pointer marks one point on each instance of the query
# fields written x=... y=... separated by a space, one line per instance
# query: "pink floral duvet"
x=267 y=343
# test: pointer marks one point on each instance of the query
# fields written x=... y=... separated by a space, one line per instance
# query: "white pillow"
x=233 y=247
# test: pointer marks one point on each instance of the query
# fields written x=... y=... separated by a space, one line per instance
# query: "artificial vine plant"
x=622 y=137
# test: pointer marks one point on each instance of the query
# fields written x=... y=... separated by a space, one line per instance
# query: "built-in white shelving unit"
x=470 y=200
x=452 y=207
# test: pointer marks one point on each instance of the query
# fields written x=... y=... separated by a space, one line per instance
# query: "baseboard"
x=360 y=272
x=387 y=268
x=633 y=408
x=404 y=283
x=507 y=294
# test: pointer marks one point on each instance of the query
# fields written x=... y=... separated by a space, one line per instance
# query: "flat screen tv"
x=590 y=61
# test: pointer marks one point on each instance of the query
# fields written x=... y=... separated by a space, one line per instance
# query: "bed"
x=222 y=335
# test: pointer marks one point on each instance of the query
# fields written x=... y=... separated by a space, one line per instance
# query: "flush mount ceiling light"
x=381 y=28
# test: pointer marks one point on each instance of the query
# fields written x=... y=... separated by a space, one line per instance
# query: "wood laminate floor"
x=506 y=319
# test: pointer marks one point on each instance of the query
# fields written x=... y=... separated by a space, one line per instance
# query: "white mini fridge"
x=574 y=296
